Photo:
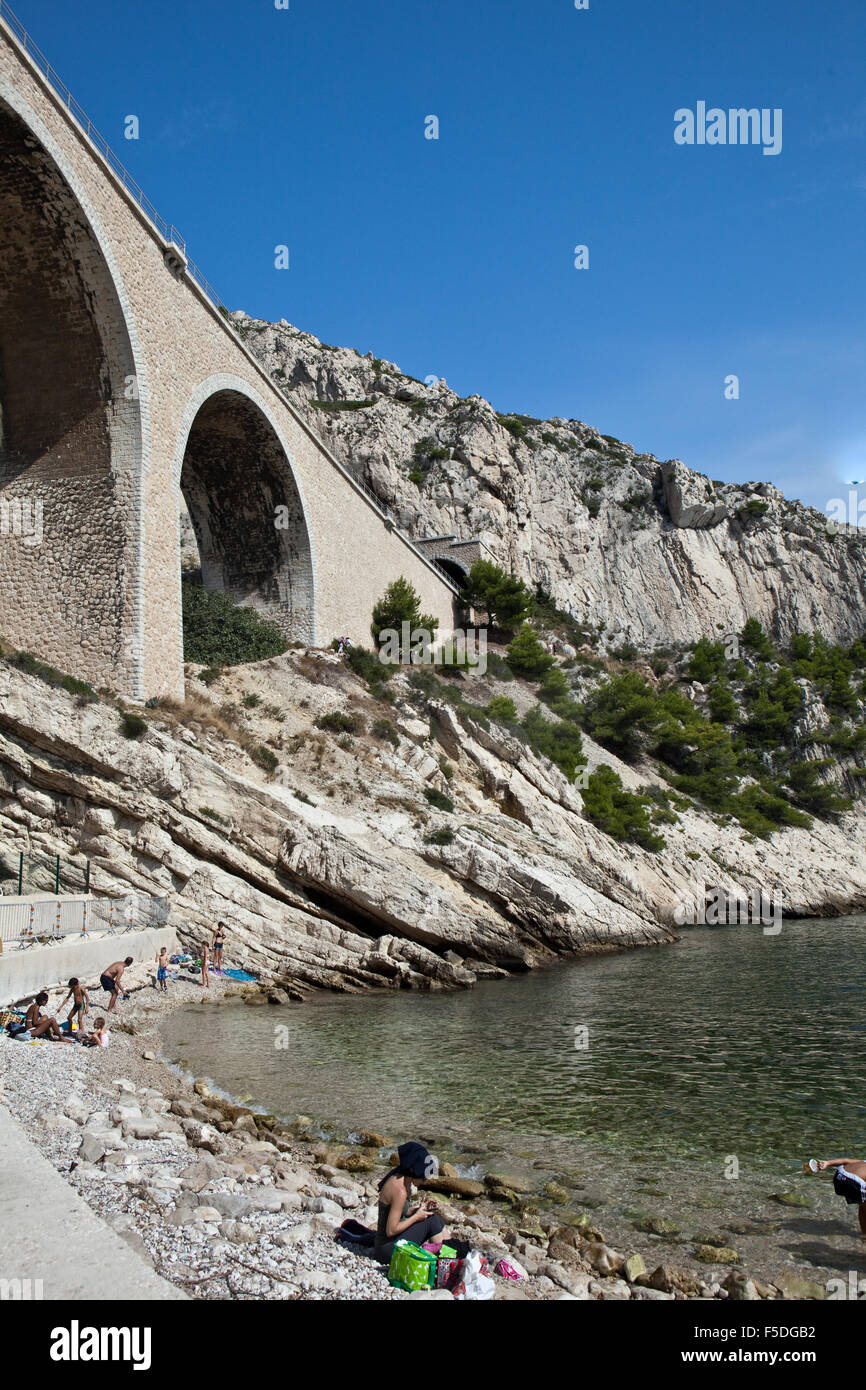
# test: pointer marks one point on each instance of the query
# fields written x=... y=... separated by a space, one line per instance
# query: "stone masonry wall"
x=183 y=352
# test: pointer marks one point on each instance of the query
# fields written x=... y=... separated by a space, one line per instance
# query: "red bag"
x=448 y=1273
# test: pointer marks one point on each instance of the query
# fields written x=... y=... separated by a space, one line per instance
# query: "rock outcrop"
x=649 y=554
x=335 y=871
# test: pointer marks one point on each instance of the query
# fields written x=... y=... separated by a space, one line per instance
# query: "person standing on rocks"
x=110 y=980
x=398 y=1220
x=205 y=959
x=162 y=970
x=849 y=1181
x=219 y=940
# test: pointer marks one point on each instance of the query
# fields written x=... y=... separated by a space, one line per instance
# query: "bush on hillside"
x=620 y=814
x=219 y=632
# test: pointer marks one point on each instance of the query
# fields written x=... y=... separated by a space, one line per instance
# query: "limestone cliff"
x=329 y=868
x=655 y=554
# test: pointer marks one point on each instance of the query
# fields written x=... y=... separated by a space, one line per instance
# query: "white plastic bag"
x=473 y=1284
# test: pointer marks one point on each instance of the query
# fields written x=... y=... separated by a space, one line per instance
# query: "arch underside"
x=70 y=430
x=247 y=514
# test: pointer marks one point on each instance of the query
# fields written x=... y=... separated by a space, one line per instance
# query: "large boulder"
x=691 y=499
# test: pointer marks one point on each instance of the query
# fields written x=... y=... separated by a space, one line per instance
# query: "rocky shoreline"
x=225 y=1202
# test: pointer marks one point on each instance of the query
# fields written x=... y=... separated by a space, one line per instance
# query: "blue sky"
x=305 y=127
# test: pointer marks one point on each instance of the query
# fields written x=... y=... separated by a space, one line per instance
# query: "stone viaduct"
x=123 y=383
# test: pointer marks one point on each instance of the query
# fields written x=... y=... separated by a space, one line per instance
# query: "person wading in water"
x=398 y=1219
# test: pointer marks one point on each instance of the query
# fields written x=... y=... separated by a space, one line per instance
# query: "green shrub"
x=219 y=632
x=438 y=799
x=367 y=665
x=503 y=709
x=707 y=662
x=620 y=712
x=526 y=655
x=514 y=425
x=399 y=604
x=26 y=661
x=251 y=701
x=265 y=758
x=723 y=707
x=212 y=815
x=753 y=508
x=760 y=812
x=560 y=741
x=443 y=836
x=336 y=722
x=132 y=725
x=757 y=641
x=383 y=729
x=813 y=794
x=620 y=814
x=210 y=674
x=504 y=599
x=498 y=668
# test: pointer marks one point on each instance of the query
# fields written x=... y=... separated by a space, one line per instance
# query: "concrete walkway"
x=47 y=1232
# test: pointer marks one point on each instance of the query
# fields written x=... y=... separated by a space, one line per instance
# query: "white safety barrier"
x=41 y=919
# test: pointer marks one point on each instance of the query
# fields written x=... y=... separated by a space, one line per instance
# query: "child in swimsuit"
x=162 y=970
x=80 y=1003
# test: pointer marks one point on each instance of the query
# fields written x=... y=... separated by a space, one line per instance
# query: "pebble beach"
x=228 y=1203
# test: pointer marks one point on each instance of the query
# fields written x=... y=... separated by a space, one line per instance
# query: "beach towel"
x=236 y=974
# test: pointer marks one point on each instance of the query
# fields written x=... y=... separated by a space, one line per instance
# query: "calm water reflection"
x=731 y=1042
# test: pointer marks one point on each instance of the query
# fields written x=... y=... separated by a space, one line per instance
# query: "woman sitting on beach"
x=849 y=1181
x=36 y=1023
x=398 y=1219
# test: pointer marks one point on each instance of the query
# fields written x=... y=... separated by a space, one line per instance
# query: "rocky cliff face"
x=329 y=870
x=654 y=554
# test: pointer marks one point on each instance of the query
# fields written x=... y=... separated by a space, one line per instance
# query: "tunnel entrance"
x=246 y=515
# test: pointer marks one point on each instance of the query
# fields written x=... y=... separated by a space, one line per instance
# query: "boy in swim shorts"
x=849 y=1181
x=162 y=970
x=80 y=1003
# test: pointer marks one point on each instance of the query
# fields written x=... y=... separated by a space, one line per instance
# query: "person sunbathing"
x=398 y=1219
x=849 y=1181
x=38 y=1023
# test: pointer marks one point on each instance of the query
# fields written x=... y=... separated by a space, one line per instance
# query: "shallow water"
x=730 y=1043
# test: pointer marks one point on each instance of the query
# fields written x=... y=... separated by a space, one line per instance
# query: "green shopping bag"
x=411 y=1267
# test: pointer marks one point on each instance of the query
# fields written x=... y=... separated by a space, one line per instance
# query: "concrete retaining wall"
x=24 y=973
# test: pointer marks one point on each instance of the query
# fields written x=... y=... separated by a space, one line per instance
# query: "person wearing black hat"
x=398 y=1219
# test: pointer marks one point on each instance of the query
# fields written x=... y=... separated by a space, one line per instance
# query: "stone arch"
x=72 y=427
x=234 y=472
